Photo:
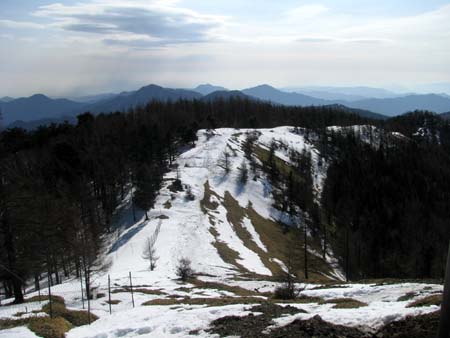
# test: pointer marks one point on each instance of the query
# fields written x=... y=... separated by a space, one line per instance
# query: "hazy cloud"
x=154 y=21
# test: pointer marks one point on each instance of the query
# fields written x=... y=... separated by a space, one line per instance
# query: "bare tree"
x=224 y=161
x=149 y=251
x=243 y=173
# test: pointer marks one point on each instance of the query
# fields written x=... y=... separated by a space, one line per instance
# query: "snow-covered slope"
x=231 y=233
x=203 y=228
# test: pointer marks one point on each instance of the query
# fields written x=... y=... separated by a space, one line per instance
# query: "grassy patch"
x=167 y=204
x=277 y=241
x=10 y=323
x=227 y=254
x=146 y=291
x=43 y=298
x=183 y=289
x=113 y=301
x=299 y=300
x=345 y=303
x=427 y=301
x=49 y=327
x=76 y=318
x=406 y=296
x=206 y=204
x=237 y=290
x=221 y=301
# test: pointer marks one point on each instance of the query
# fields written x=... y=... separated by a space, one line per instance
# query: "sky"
x=81 y=47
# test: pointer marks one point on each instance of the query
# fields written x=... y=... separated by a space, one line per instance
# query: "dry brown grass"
x=237 y=290
x=10 y=323
x=427 y=301
x=221 y=301
x=49 y=327
x=146 y=291
x=167 y=204
x=344 y=303
x=44 y=298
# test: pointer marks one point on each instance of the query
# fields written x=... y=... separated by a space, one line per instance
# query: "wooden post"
x=39 y=293
x=81 y=285
x=306 y=252
x=131 y=288
x=109 y=294
x=50 y=295
x=88 y=294
x=444 y=324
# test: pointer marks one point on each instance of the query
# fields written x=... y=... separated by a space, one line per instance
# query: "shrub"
x=286 y=291
x=58 y=309
x=49 y=327
x=76 y=318
x=184 y=269
x=176 y=186
x=189 y=194
x=79 y=318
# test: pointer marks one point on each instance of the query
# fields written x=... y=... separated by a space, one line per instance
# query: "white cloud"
x=20 y=24
x=307 y=12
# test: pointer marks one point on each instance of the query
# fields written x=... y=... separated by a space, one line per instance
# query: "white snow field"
x=203 y=230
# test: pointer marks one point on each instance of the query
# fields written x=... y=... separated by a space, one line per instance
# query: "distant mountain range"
x=206 y=89
x=343 y=93
x=30 y=111
x=6 y=99
x=385 y=106
x=36 y=107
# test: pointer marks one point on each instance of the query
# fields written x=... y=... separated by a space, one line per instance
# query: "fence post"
x=39 y=291
x=131 y=288
x=81 y=285
x=88 y=294
x=50 y=295
x=444 y=323
x=109 y=293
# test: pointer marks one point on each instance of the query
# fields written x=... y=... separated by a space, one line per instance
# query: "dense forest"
x=386 y=206
x=387 y=199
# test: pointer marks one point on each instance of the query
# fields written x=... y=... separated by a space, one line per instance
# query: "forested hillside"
x=61 y=185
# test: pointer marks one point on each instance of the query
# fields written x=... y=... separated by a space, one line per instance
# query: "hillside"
x=234 y=237
x=228 y=228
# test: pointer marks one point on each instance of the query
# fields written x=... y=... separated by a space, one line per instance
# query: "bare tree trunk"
x=306 y=253
x=347 y=255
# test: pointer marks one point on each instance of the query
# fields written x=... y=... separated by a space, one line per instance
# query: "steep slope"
x=227 y=228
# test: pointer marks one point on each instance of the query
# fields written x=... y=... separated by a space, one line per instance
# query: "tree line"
x=386 y=200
